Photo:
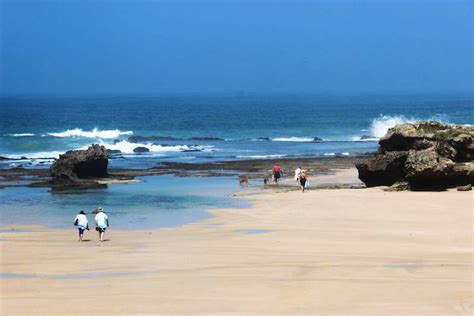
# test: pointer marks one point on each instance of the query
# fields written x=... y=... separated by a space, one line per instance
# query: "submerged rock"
x=76 y=165
x=141 y=150
x=426 y=155
x=317 y=140
x=467 y=187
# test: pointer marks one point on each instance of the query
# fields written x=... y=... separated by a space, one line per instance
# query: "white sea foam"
x=380 y=125
x=368 y=139
x=37 y=155
x=260 y=156
x=127 y=147
x=22 y=135
x=293 y=139
x=95 y=133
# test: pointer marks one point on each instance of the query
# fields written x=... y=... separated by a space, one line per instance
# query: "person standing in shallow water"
x=303 y=178
x=277 y=173
x=82 y=224
x=101 y=222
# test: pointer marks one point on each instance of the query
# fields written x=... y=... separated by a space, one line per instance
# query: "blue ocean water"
x=241 y=126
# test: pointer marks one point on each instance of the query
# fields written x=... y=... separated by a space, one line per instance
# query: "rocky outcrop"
x=75 y=167
x=141 y=149
x=426 y=155
x=316 y=139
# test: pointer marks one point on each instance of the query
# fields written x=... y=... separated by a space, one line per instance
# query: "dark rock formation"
x=77 y=165
x=317 y=139
x=467 y=187
x=365 y=137
x=426 y=155
x=141 y=150
x=113 y=151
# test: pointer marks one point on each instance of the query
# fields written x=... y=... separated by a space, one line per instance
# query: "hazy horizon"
x=236 y=47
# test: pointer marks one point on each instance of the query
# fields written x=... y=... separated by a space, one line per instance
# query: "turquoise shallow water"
x=158 y=201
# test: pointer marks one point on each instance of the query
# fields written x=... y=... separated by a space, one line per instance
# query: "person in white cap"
x=101 y=222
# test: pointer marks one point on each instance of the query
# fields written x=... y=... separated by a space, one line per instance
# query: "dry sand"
x=325 y=252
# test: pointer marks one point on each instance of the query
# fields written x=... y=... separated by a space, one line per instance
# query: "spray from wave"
x=95 y=133
x=293 y=139
x=380 y=125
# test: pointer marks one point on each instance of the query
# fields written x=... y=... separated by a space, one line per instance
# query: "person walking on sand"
x=101 y=222
x=297 y=174
x=303 y=180
x=277 y=173
x=82 y=224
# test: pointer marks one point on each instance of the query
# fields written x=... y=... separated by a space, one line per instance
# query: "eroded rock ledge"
x=425 y=155
x=80 y=167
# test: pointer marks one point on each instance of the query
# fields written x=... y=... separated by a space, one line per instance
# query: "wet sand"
x=325 y=252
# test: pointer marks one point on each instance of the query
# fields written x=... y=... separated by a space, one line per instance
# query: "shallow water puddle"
x=15 y=276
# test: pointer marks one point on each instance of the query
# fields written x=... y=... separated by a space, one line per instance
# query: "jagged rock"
x=75 y=165
x=435 y=155
x=383 y=169
x=141 y=150
x=398 y=186
x=317 y=140
x=467 y=187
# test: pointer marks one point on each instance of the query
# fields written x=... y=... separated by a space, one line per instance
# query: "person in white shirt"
x=82 y=224
x=297 y=174
x=101 y=222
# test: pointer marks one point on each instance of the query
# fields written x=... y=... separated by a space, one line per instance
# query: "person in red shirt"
x=277 y=173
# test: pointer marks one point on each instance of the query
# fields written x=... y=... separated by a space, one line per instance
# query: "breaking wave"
x=259 y=156
x=127 y=148
x=293 y=139
x=95 y=133
x=380 y=125
x=21 y=135
x=37 y=155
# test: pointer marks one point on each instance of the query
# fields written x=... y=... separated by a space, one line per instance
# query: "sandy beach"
x=325 y=252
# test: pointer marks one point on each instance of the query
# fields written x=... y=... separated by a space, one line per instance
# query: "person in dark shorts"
x=303 y=179
x=277 y=173
x=101 y=222
x=82 y=224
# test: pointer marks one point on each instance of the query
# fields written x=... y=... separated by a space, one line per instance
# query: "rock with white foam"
x=426 y=155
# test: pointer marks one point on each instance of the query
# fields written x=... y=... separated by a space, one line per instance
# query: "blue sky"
x=61 y=47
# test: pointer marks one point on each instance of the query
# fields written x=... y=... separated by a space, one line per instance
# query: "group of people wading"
x=301 y=176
